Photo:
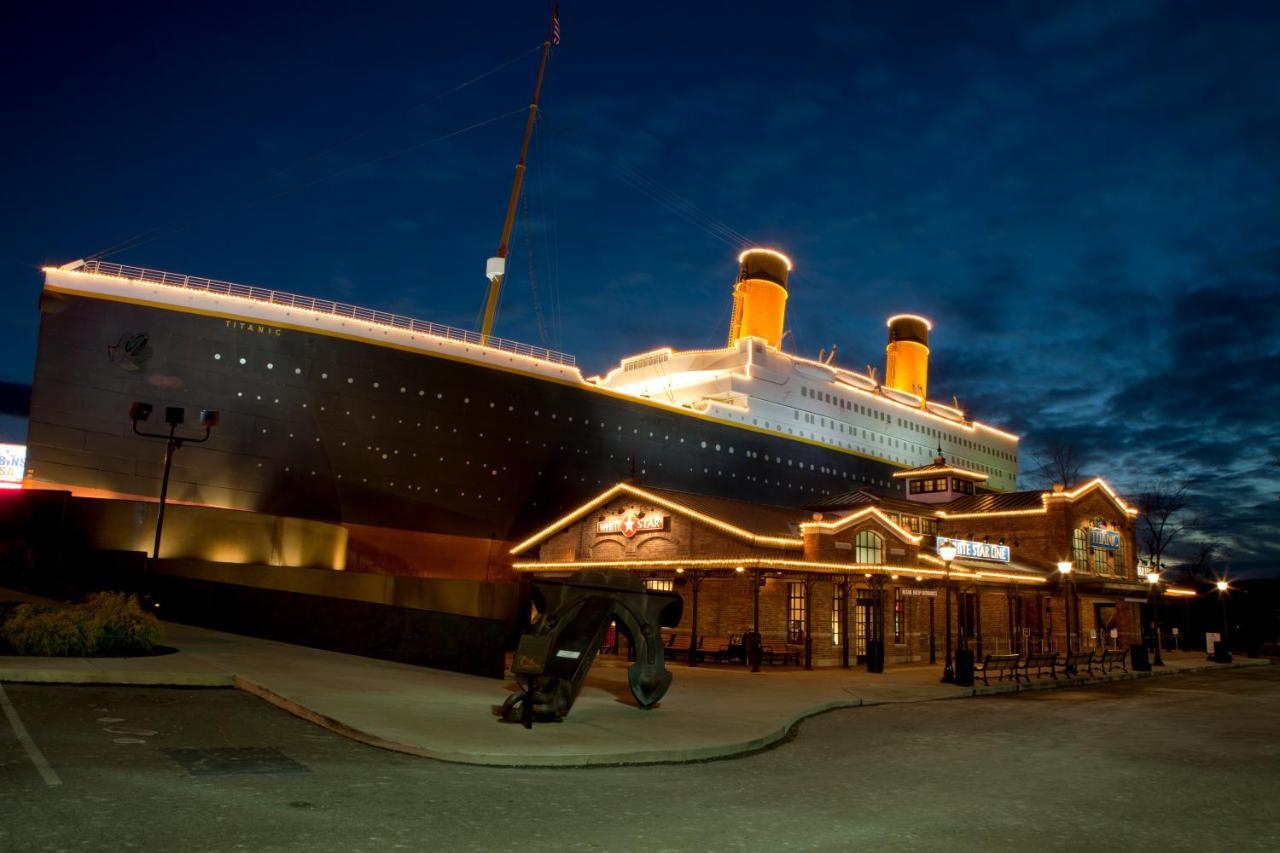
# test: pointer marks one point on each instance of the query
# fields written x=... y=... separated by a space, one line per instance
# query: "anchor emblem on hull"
x=131 y=351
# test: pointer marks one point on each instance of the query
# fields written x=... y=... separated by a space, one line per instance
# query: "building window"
x=899 y=617
x=1080 y=549
x=961 y=487
x=795 y=612
x=869 y=547
x=837 y=614
x=1101 y=561
x=660 y=584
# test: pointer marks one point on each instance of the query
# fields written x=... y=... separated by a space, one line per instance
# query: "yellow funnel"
x=907 y=355
x=760 y=296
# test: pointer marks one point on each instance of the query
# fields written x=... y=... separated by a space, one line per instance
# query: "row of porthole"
x=510 y=408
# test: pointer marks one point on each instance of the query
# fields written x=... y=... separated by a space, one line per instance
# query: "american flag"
x=555 y=25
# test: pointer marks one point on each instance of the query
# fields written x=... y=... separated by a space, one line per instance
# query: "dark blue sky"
x=1085 y=198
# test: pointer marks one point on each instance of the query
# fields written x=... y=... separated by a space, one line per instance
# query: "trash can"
x=1138 y=659
x=1221 y=652
x=964 y=667
x=875 y=655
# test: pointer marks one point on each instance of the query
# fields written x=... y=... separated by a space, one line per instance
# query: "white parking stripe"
x=33 y=751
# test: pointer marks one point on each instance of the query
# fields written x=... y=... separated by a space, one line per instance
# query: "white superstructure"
x=756 y=385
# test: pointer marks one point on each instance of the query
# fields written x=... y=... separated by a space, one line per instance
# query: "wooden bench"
x=733 y=650
x=679 y=647
x=1077 y=660
x=1042 y=663
x=1001 y=664
x=783 y=653
x=1112 y=658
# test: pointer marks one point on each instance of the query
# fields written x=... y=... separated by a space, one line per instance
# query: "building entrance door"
x=1104 y=619
x=863 y=612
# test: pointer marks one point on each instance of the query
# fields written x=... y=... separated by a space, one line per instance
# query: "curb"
x=117 y=677
x=658 y=756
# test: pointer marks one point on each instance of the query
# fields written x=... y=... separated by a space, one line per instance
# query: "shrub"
x=116 y=624
x=109 y=623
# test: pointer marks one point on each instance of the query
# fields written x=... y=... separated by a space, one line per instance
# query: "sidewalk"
x=710 y=712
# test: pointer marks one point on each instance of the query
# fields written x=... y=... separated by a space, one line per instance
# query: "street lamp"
x=174 y=416
x=1064 y=568
x=1224 y=643
x=947 y=551
x=1153 y=578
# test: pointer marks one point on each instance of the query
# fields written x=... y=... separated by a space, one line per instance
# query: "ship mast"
x=496 y=268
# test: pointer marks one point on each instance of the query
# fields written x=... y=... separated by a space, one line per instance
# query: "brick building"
x=822 y=581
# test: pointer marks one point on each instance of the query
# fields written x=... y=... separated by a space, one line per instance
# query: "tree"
x=1164 y=515
x=1203 y=566
x=1059 y=462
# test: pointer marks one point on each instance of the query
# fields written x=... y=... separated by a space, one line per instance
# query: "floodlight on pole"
x=174 y=417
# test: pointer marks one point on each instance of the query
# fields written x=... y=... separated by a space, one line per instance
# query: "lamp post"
x=1224 y=644
x=947 y=552
x=1154 y=579
x=1064 y=569
x=174 y=416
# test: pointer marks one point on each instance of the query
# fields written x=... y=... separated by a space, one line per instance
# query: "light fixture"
x=209 y=418
x=1222 y=586
x=947 y=551
x=1153 y=577
x=140 y=411
x=174 y=415
x=680 y=571
x=740 y=569
x=1064 y=567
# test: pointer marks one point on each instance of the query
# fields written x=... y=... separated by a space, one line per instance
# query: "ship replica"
x=450 y=444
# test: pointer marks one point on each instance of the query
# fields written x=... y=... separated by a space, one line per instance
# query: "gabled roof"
x=838 y=524
x=755 y=524
x=1026 y=503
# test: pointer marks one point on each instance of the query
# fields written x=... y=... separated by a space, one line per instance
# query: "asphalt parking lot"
x=1183 y=763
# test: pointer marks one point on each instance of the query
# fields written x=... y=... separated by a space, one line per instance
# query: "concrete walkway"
x=710 y=711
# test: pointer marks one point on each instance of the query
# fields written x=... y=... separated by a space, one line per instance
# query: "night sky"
x=1084 y=198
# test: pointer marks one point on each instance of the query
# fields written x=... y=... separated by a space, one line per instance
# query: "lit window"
x=869 y=547
x=837 y=614
x=795 y=613
x=660 y=584
x=899 y=616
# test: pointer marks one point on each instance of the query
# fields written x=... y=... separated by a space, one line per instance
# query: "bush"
x=109 y=623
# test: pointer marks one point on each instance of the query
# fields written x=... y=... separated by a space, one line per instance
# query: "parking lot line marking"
x=33 y=751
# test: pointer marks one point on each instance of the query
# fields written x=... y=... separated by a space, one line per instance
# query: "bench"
x=1112 y=658
x=1043 y=664
x=1001 y=664
x=1077 y=660
x=733 y=650
x=783 y=653
x=679 y=646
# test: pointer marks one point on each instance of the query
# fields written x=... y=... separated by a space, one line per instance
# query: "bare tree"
x=1203 y=565
x=1164 y=515
x=1058 y=462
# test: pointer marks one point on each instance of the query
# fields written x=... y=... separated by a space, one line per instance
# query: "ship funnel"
x=760 y=296
x=907 y=355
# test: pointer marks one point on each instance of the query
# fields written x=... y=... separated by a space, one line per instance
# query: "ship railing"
x=326 y=307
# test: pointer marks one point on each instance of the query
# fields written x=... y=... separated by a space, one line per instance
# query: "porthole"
x=324 y=376
x=270 y=366
x=217 y=356
x=297 y=371
x=244 y=360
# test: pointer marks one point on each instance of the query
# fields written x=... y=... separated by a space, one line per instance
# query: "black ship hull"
x=341 y=430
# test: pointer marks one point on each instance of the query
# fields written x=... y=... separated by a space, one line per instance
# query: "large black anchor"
x=555 y=654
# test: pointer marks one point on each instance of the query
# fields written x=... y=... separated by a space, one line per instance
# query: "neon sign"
x=631 y=525
x=977 y=550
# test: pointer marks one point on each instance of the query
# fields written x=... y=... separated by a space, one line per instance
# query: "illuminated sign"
x=13 y=464
x=977 y=550
x=1104 y=539
x=631 y=525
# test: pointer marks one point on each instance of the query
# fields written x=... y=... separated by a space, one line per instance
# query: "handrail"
x=325 y=306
